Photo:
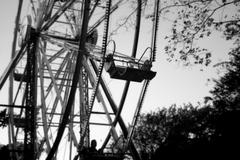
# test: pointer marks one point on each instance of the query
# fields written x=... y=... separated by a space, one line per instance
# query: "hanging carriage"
x=129 y=70
x=19 y=76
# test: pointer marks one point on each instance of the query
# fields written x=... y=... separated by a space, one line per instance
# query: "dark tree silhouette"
x=4 y=152
x=173 y=131
x=210 y=130
x=226 y=93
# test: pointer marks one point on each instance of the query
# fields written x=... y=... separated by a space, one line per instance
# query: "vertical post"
x=31 y=100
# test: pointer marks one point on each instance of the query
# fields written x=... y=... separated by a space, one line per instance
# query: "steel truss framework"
x=57 y=77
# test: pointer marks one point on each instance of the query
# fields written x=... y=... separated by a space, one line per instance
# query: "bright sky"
x=173 y=83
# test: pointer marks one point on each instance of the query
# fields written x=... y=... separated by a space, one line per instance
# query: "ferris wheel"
x=58 y=81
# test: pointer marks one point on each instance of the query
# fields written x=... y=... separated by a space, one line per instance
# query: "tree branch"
x=211 y=14
x=181 y=5
x=229 y=21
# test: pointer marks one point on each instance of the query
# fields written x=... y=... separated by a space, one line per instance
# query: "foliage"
x=226 y=91
x=5 y=151
x=186 y=132
x=197 y=19
x=209 y=130
x=172 y=128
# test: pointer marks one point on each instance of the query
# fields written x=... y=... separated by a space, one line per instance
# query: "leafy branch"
x=197 y=18
x=211 y=14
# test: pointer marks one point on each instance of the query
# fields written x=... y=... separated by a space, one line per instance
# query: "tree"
x=150 y=132
x=209 y=129
x=174 y=131
x=188 y=132
x=226 y=100
x=4 y=152
x=226 y=93
x=198 y=19
x=206 y=130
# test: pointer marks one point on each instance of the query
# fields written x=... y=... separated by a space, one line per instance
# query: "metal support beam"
x=137 y=111
x=11 y=139
x=12 y=106
x=12 y=65
x=115 y=109
x=155 y=29
x=57 y=15
x=84 y=105
x=101 y=99
x=113 y=8
x=31 y=100
x=75 y=80
x=126 y=87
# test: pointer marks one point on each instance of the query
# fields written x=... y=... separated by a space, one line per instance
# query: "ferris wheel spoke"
x=53 y=109
x=114 y=108
x=100 y=20
x=59 y=71
x=12 y=133
x=53 y=79
x=12 y=64
x=56 y=55
x=93 y=8
x=33 y=8
x=99 y=73
x=50 y=5
x=68 y=19
x=17 y=95
x=100 y=98
x=137 y=110
x=43 y=105
x=54 y=106
x=118 y=113
x=41 y=13
x=74 y=83
x=71 y=131
x=58 y=13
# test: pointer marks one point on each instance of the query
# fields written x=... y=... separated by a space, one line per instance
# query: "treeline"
x=203 y=131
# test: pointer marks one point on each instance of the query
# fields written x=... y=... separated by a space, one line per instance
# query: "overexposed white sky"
x=173 y=82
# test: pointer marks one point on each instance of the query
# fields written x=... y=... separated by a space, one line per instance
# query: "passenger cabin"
x=131 y=71
x=18 y=77
x=20 y=122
